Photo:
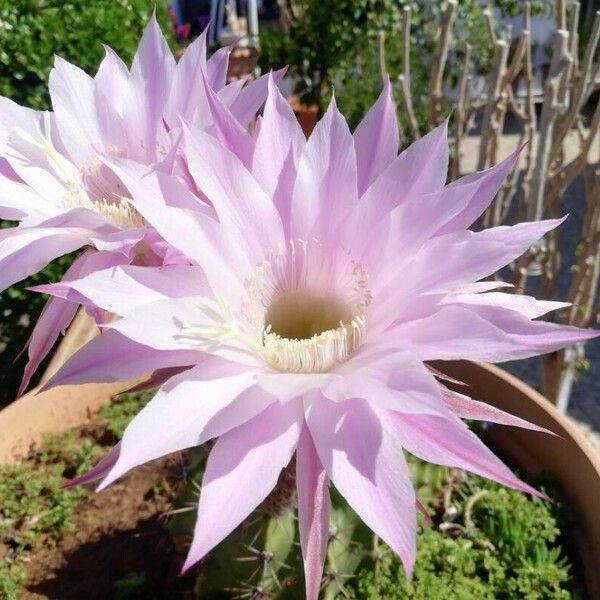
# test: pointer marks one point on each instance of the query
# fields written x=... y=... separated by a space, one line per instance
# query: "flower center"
x=303 y=311
x=302 y=314
x=308 y=306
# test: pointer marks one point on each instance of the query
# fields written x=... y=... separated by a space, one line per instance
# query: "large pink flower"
x=52 y=175
x=333 y=269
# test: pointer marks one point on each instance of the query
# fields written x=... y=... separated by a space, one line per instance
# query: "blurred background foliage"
x=31 y=33
x=333 y=44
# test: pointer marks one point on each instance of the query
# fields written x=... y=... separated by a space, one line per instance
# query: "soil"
x=120 y=548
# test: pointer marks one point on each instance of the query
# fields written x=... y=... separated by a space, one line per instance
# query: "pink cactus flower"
x=333 y=270
x=53 y=178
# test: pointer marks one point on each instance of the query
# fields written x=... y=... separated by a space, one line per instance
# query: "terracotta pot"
x=307 y=115
x=24 y=422
x=570 y=456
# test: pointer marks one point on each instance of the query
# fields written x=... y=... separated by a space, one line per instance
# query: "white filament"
x=104 y=202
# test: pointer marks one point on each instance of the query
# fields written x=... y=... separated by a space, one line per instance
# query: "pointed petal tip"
x=190 y=560
x=279 y=74
x=185 y=568
x=408 y=564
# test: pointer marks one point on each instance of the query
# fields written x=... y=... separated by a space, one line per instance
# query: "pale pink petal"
x=313 y=512
x=278 y=147
x=450 y=261
x=411 y=223
x=467 y=408
x=111 y=87
x=173 y=325
x=111 y=357
x=112 y=77
x=72 y=94
x=13 y=115
x=29 y=250
x=230 y=92
x=326 y=187
x=376 y=139
x=187 y=90
x=242 y=468
x=395 y=381
x=472 y=256
x=482 y=286
x=124 y=241
x=241 y=205
x=19 y=202
x=155 y=185
x=287 y=386
x=216 y=68
x=156 y=379
x=58 y=313
x=123 y=289
x=526 y=305
x=488 y=182
x=253 y=96
x=216 y=119
x=449 y=442
x=420 y=169
x=363 y=458
x=152 y=72
x=163 y=324
x=484 y=333
x=195 y=233
x=185 y=413
x=33 y=166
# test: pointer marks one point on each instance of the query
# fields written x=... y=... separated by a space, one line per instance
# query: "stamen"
x=117 y=211
x=301 y=313
x=308 y=310
x=318 y=354
x=88 y=188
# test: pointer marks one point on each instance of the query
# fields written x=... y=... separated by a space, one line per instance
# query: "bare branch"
x=439 y=62
x=461 y=112
x=381 y=56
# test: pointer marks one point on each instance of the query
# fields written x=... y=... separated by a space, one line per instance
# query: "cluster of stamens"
x=116 y=210
x=308 y=312
x=92 y=187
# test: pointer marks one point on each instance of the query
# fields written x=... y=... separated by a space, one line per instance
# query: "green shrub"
x=33 y=31
x=334 y=44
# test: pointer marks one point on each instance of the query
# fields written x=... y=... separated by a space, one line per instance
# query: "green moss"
x=33 y=505
x=74 y=455
x=12 y=577
x=487 y=542
x=118 y=414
